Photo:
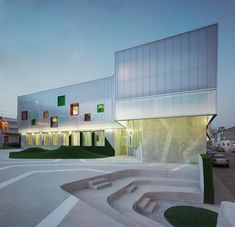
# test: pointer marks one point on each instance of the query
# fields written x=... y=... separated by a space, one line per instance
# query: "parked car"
x=220 y=149
x=211 y=154
x=219 y=159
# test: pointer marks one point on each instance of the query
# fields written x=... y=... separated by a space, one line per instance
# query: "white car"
x=219 y=159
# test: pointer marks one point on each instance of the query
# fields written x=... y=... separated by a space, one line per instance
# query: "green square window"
x=61 y=100
x=33 y=122
x=100 y=108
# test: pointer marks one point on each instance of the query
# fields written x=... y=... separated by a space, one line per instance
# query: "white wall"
x=226 y=216
x=87 y=94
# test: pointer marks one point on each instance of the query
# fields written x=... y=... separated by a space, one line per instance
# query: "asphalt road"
x=224 y=180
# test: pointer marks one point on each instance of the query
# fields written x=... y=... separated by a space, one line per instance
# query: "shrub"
x=208 y=179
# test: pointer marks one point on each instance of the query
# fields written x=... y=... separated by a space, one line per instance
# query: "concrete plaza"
x=31 y=193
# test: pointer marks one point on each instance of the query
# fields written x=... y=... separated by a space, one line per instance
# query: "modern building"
x=156 y=107
x=225 y=139
x=9 y=135
x=80 y=114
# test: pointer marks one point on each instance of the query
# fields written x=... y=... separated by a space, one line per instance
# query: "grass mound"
x=66 y=152
x=185 y=216
x=62 y=152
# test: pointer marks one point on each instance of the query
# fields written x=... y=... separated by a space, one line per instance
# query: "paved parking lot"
x=31 y=194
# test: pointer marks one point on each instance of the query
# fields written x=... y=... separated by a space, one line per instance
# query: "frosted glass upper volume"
x=171 y=77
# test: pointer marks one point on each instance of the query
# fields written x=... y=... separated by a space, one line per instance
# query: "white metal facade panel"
x=181 y=64
x=87 y=94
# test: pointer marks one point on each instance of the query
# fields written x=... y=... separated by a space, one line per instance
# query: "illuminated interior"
x=74 y=109
x=87 y=138
x=54 y=122
x=45 y=114
x=54 y=139
x=45 y=139
x=75 y=138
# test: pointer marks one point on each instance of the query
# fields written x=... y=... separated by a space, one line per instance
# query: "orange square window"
x=45 y=114
x=74 y=109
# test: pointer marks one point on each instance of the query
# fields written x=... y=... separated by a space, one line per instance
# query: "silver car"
x=219 y=159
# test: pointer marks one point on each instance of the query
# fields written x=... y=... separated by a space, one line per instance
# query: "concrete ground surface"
x=31 y=193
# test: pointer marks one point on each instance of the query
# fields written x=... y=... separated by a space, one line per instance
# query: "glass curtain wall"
x=45 y=139
x=54 y=139
x=99 y=138
x=65 y=138
x=87 y=138
x=37 y=139
x=29 y=139
x=75 y=138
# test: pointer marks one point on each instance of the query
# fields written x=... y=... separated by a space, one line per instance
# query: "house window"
x=6 y=139
x=45 y=114
x=54 y=122
x=87 y=117
x=61 y=100
x=33 y=122
x=100 y=108
x=24 y=115
x=74 y=109
x=4 y=126
x=228 y=144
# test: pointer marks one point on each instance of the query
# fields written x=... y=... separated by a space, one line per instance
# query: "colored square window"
x=87 y=117
x=100 y=108
x=61 y=100
x=24 y=115
x=74 y=109
x=45 y=114
x=54 y=122
x=33 y=122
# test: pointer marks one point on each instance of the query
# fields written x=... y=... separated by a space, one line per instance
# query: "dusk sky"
x=46 y=44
